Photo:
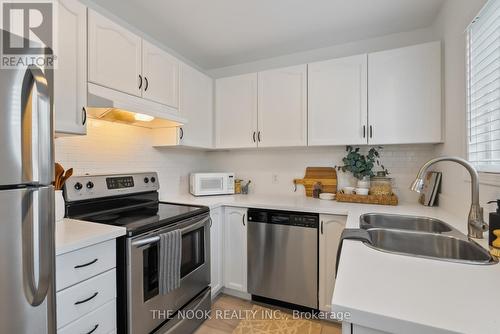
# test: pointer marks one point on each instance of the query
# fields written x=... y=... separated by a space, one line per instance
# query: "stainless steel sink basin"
x=401 y=222
x=429 y=245
x=421 y=237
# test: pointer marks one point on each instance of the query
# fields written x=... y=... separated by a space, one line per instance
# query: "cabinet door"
x=161 y=75
x=235 y=248
x=70 y=76
x=282 y=107
x=330 y=229
x=196 y=104
x=337 y=101
x=404 y=95
x=236 y=111
x=216 y=242
x=114 y=55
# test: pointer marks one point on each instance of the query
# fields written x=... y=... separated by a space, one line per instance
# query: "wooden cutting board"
x=326 y=176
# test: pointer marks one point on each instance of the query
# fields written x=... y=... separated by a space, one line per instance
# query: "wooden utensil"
x=66 y=176
x=326 y=176
x=59 y=171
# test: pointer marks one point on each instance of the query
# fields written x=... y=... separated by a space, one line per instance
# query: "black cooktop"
x=137 y=213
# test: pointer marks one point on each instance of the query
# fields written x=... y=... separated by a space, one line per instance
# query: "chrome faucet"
x=475 y=222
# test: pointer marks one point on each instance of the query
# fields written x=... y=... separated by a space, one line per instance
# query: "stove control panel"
x=86 y=187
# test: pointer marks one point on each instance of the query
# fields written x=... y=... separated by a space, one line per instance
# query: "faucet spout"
x=476 y=225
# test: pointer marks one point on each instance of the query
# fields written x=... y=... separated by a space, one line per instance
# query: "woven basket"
x=368 y=199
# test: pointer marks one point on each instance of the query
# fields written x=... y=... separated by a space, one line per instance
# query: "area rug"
x=263 y=320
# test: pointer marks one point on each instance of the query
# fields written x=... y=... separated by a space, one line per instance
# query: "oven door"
x=146 y=307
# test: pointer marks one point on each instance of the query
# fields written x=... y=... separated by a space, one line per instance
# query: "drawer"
x=79 y=265
x=83 y=298
x=103 y=320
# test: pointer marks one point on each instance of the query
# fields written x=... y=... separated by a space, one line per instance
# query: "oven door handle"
x=156 y=238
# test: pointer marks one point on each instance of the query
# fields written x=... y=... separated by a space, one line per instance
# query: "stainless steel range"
x=144 y=260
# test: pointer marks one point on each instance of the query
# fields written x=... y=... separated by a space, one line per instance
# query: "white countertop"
x=75 y=234
x=395 y=293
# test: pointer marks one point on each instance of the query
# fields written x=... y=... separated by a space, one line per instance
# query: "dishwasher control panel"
x=309 y=220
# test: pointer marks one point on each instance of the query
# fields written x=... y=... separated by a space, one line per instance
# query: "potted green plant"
x=361 y=166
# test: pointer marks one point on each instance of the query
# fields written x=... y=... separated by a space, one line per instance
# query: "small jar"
x=381 y=185
x=237 y=186
x=317 y=189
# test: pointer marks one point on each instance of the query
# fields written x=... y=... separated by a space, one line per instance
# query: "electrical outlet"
x=275 y=178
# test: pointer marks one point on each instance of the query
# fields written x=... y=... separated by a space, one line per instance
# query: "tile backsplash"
x=116 y=148
x=273 y=170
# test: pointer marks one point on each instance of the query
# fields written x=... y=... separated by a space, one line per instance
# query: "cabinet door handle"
x=321 y=227
x=84 y=115
x=364 y=131
x=93 y=329
x=86 y=264
x=371 y=131
x=253 y=136
x=140 y=81
x=182 y=133
x=87 y=299
x=258 y=136
x=146 y=85
x=243 y=219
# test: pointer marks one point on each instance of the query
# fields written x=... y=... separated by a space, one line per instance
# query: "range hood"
x=114 y=106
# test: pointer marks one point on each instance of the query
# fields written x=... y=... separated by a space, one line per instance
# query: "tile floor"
x=235 y=308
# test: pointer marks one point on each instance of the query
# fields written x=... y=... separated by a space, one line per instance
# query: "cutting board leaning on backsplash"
x=326 y=176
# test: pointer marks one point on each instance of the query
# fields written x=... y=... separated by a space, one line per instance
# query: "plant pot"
x=364 y=183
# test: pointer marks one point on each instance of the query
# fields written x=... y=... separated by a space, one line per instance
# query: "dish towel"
x=170 y=261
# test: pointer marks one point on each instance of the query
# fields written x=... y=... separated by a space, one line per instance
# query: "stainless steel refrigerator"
x=27 y=252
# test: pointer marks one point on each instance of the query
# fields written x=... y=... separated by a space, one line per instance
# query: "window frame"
x=488 y=172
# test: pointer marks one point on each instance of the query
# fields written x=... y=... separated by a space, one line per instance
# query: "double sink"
x=422 y=237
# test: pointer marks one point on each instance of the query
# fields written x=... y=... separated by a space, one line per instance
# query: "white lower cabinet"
x=86 y=289
x=235 y=248
x=330 y=229
x=102 y=320
x=216 y=241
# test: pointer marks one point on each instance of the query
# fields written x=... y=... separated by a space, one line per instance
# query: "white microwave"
x=204 y=184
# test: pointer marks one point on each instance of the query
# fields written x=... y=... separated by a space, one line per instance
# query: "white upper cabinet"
x=404 y=95
x=282 y=107
x=160 y=73
x=337 y=101
x=196 y=104
x=70 y=76
x=114 y=55
x=236 y=111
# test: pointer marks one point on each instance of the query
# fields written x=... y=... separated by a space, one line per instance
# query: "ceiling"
x=218 y=33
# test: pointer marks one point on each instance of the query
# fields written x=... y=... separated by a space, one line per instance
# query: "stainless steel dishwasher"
x=283 y=256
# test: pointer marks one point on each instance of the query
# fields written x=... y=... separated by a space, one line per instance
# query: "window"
x=483 y=88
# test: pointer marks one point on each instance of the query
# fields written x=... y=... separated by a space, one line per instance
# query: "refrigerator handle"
x=44 y=210
x=38 y=161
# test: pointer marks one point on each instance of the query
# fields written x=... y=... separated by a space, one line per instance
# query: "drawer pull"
x=86 y=264
x=88 y=299
x=93 y=329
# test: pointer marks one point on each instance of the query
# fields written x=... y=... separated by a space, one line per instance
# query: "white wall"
x=261 y=165
x=450 y=25
x=335 y=51
x=118 y=148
